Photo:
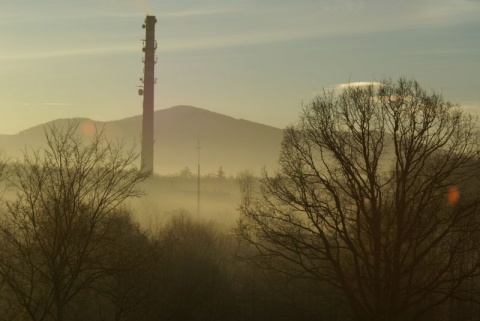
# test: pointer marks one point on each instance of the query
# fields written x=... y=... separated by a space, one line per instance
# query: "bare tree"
x=55 y=235
x=373 y=198
x=3 y=174
x=246 y=182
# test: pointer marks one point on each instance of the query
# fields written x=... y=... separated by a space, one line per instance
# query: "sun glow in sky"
x=251 y=59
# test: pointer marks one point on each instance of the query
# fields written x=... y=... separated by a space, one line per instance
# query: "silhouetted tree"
x=246 y=181
x=54 y=236
x=373 y=199
x=194 y=280
x=221 y=173
x=125 y=294
x=3 y=174
x=186 y=173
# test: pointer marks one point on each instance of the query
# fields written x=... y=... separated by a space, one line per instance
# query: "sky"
x=253 y=59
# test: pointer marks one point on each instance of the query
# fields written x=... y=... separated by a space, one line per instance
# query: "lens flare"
x=88 y=128
x=452 y=195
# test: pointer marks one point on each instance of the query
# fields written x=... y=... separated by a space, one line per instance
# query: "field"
x=166 y=196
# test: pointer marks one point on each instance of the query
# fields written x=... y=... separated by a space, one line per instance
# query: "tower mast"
x=149 y=47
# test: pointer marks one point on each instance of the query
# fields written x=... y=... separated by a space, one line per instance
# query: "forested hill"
x=234 y=144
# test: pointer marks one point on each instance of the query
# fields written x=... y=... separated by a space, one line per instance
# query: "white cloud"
x=356 y=84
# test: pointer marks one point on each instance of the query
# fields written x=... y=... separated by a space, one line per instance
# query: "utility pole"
x=198 y=179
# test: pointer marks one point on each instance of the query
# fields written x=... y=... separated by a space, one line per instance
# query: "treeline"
x=71 y=250
x=195 y=272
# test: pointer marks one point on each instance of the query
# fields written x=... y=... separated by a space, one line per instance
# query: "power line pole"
x=198 y=179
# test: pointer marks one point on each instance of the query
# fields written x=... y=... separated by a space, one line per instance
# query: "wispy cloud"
x=59 y=53
x=288 y=22
x=347 y=17
x=471 y=106
x=285 y=22
x=48 y=104
x=120 y=15
x=101 y=14
x=198 y=12
x=233 y=40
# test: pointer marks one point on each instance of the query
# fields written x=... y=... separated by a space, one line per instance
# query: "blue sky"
x=251 y=59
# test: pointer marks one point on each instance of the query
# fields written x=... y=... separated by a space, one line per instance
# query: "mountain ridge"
x=227 y=142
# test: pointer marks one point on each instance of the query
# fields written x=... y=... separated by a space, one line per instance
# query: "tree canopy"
x=375 y=198
x=57 y=236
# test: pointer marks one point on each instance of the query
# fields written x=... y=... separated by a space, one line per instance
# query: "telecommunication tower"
x=148 y=80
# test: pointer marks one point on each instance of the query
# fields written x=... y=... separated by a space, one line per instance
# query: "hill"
x=234 y=144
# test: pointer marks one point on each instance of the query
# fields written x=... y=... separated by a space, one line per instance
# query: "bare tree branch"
x=363 y=200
